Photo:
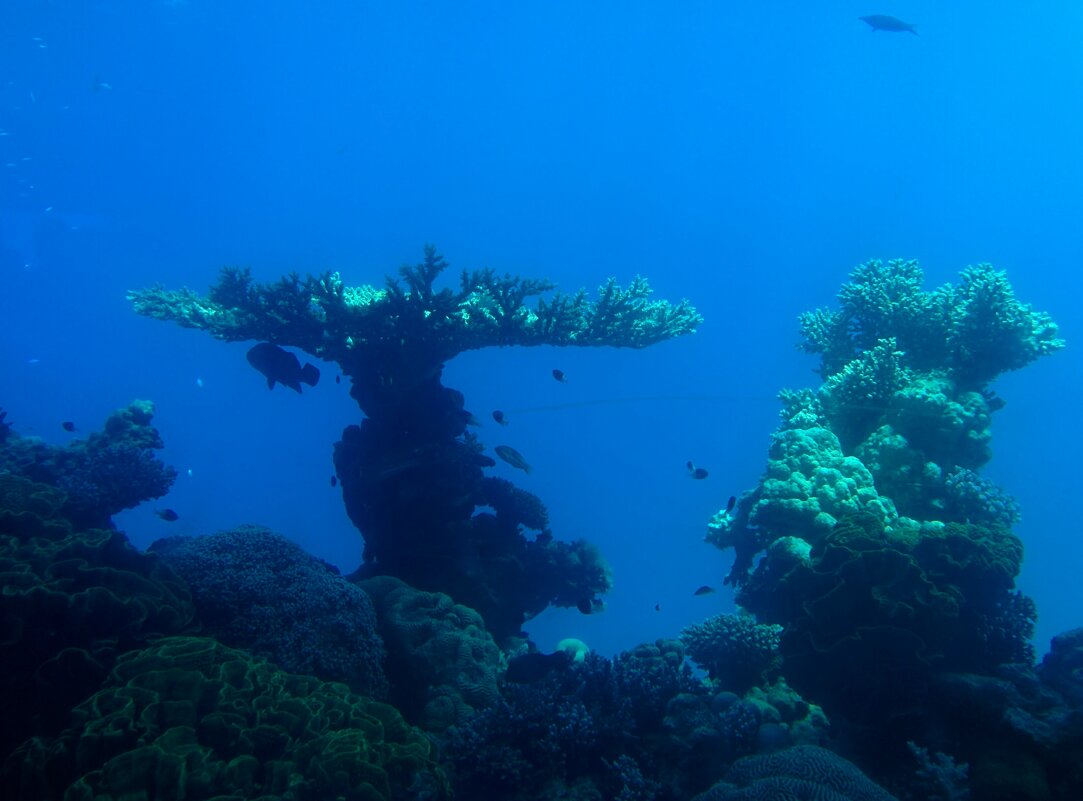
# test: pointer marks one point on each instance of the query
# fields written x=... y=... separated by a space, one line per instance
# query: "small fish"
x=590 y=606
x=281 y=366
x=533 y=667
x=334 y=481
x=704 y=590
x=190 y=473
x=168 y=515
x=338 y=379
x=657 y=607
x=499 y=417
x=731 y=503
x=512 y=457
x=559 y=376
x=696 y=472
x=471 y=420
x=199 y=383
x=882 y=22
x=68 y=425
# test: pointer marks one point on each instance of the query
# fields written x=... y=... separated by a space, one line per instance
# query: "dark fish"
x=512 y=457
x=704 y=590
x=334 y=481
x=882 y=22
x=696 y=472
x=731 y=503
x=68 y=425
x=559 y=376
x=338 y=379
x=657 y=607
x=281 y=366
x=590 y=606
x=471 y=420
x=168 y=515
x=499 y=417
x=533 y=667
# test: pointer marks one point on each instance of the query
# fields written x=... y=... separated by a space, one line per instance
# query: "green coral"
x=72 y=601
x=330 y=320
x=976 y=329
x=190 y=718
x=442 y=663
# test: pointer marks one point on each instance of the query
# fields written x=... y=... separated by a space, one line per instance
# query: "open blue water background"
x=746 y=157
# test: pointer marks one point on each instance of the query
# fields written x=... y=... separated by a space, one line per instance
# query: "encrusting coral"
x=411 y=474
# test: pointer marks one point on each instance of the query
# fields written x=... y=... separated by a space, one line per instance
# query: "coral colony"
x=882 y=650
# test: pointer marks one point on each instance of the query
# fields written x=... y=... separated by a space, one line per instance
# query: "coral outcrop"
x=111 y=470
x=191 y=718
x=256 y=590
x=412 y=476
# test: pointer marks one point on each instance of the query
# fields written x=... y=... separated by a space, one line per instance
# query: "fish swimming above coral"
x=281 y=366
x=512 y=457
x=882 y=22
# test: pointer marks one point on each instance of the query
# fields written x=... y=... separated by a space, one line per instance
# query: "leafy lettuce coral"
x=191 y=718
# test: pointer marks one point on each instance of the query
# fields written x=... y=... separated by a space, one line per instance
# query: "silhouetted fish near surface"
x=282 y=367
x=882 y=22
x=559 y=376
x=499 y=417
x=704 y=590
x=512 y=457
x=533 y=667
x=696 y=472
x=168 y=515
x=731 y=503
x=68 y=425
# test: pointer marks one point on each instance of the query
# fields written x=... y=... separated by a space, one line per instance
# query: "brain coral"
x=802 y=772
x=442 y=662
x=190 y=718
x=255 y=589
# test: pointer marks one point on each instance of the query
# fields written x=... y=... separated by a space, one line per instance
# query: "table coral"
x=411 y=474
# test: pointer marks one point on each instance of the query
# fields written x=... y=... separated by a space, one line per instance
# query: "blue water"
x=743 y=157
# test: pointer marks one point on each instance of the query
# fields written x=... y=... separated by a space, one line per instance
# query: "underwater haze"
x=746 y=158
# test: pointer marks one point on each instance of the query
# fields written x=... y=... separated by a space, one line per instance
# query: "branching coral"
x=255 y=589
x=735 y=650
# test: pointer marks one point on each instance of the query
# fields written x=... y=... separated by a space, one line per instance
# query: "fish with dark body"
x=500 y=417
x=559 y=376
x=68 y=426
x=882 y=22
x=704 y=590
x=697 y=473
x=168 y=515
x=512 y=457
x=281 y=366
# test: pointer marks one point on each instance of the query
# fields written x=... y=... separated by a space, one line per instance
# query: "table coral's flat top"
x=328 y=319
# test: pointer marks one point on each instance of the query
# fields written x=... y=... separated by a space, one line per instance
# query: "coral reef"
x=442 y=663
x=872 y=539
x=111 y=470
x=801 y=772
x=735 y=650
x=72 y=602
x=411 y=475
x=638 y=726
x=256 y=590
x=191 y=718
